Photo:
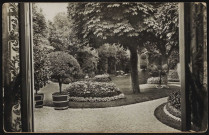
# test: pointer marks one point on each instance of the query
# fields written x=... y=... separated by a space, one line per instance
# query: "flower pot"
x=60 y=101
x=39 y=100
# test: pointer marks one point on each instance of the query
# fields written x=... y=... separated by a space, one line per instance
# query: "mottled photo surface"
x=104 y=67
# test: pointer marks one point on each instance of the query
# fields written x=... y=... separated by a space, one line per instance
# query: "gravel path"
x=130 y=118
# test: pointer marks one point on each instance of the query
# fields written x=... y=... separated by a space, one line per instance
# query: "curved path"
x=130 y=118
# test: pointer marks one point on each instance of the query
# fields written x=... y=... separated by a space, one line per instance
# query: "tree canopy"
x=62 y=65
x=162 y=39
x=123 y=23
x=40 y=48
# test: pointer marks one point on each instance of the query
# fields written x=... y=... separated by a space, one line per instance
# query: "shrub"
x=143 y=61
x=156 y=80
x=143 y=64
x=63 y=65
x=173 y=75
x=175 y=99
x=67 y=81
x=87 y=89
x=143 y=56
x=153 y=70
x=88 y=59
x=102 y=78
x=143 y=76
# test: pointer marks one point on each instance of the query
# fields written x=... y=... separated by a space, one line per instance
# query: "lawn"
x=148 y=92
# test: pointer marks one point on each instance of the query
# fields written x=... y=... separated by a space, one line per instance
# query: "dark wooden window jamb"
x=184 y=48
x=26 y=66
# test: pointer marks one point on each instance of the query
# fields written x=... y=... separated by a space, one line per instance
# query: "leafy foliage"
x=175 y=99
x=99 y=23
x=162 y=39
x=143 y=61
x=111 y=21
x=63 y=65
x=88 y=59
x=173 y=75
x=153 y=70
x=92 y=89
x=115 y=56
x=61 y=35
x=41 y=48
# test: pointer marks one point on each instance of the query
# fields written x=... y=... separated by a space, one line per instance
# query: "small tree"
x=143 y=61
x=62 y=66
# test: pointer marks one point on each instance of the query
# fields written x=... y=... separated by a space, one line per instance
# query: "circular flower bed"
x=173 y=105
x=89 y=91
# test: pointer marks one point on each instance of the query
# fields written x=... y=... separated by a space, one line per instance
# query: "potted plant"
x=62 y=66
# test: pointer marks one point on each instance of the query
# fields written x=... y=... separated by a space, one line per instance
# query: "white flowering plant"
x=156 y=80
x=102 y=78
x=93 y=91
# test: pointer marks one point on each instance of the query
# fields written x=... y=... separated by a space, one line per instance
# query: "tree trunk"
x=160 y=78
x=60 y=85
x=105 y=65
x=112 y=65
x=134 y=70
x=114 y=68
x=165 y=61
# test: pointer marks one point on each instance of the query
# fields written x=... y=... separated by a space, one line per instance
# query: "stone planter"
x=39 y=100
x=60 y=101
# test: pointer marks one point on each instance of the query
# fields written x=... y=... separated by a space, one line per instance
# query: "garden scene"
x=106 y=67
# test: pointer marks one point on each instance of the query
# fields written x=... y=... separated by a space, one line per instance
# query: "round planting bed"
x=90 y=91
x=170 y=116
x=39 y=97
x=60 y=101
x=162 y=114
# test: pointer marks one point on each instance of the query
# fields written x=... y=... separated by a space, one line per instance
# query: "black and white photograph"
x=104 y=67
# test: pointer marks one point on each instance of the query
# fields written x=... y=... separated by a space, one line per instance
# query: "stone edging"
x=169 y=114
x=96 y=99
x=172 y=110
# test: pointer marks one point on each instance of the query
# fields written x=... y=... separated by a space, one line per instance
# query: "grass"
x=147 y=92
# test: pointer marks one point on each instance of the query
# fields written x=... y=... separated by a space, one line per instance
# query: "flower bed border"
x=96 y=99
x=169 y=114
x=172 y=110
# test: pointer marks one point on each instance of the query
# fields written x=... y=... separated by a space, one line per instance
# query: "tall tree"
x=98 y=23
x=41 y=48
x=61 y=34
x=59 y=31
x=162 y=38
